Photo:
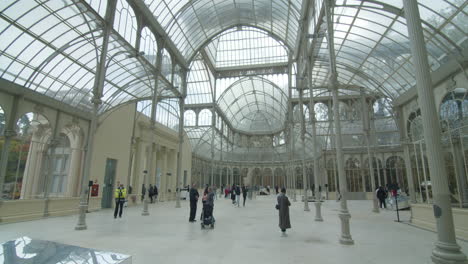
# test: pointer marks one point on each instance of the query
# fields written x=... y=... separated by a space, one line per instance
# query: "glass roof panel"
x=245 y=105
x=53 y=47
x=193 y=23
x=244 y=46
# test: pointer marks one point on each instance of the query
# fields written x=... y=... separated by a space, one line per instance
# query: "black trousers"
x=118 y=204
x=382 y=202
x=245 y=197
x=193 y=210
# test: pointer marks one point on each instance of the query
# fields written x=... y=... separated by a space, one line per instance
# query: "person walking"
x=238 y=193
x=120 y=194
x=193 y=203
x=155 y=193
x=151 y=193
x=283 y=209
x=244 y=192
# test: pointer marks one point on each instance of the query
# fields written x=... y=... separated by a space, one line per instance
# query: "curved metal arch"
x=223 y=31
x=250 y=93
x=173 y=23
x=251 y=78
x=58 y=51
x=364 y=75
x=252 y=103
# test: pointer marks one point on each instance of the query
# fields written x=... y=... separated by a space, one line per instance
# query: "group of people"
x=209 y=194
x=152 y=193
x=235 y=191
x=207 y=201
x=382 y=193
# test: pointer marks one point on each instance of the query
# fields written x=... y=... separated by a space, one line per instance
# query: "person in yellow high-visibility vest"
x=120 y=194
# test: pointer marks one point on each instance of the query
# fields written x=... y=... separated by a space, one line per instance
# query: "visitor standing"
x=238 y=193
x=244 y=192
x=283 y=208
x=193 y=202
x=120 y=194
x=382 y=195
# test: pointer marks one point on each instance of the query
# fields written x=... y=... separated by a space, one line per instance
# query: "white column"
x=344 y=213
x=446 y=248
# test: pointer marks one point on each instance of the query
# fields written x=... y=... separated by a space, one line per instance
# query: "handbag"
x=277 y=206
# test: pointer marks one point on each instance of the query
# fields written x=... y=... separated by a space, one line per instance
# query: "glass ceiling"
x=53 y=47
x=245 y=47
x=372 y=46
x=191 y=24
x=254 y=104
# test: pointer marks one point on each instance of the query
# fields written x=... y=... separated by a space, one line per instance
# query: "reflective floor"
x=241 y=235
x=25 y=250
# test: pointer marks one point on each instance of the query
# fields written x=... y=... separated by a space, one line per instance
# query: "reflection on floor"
x=241 y=235
x=25 y=250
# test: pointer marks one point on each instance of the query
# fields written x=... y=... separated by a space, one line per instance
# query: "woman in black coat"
x=283 y=208
x=233 y=194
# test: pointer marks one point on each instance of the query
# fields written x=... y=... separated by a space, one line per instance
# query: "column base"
x=346 y=238
x=376 y=206
x=145 y=213
x=346 y=241
x=81 y=227
x=318 y=212
x=445 y=253
x=82 y=217
x=306 y=207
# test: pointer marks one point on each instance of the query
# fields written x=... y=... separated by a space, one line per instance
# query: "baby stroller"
x=207 y=216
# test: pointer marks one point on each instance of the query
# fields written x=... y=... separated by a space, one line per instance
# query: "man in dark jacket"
x=244 y=192
x=193 y=203
x=382 y=195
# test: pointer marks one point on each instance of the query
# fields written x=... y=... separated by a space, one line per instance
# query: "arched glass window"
x=353 y=175
x=382 y=108
x=27 y=166
x=190 y=118
x=321 y=111
x=454 y=109
x=149 y=45
x=125 y=21
x=332 y=175
x=60 y=166
x=167 y=113
x=204 y=117
x=166 y=69
x=396 y=172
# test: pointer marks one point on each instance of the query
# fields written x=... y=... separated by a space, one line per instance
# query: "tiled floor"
x=241 y=235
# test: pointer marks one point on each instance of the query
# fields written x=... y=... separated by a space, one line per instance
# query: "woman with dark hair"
x=283 y=209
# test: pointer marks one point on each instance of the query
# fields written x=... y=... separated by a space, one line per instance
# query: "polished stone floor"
x=241 y=235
